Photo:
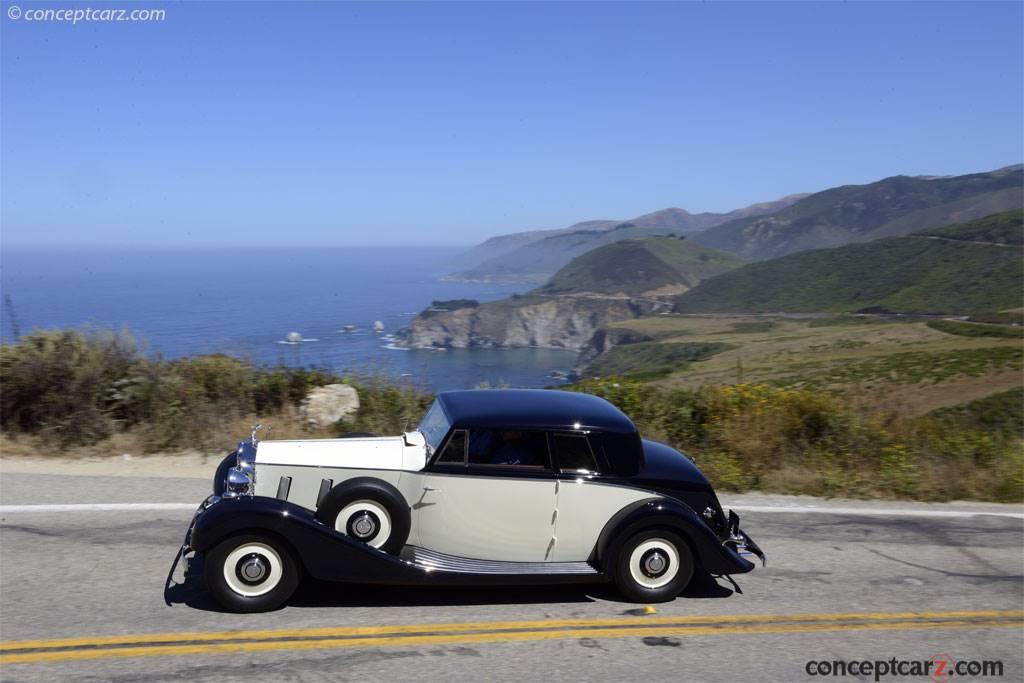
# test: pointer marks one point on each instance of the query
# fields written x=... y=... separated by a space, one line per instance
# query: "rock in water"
x=326 y=405
x=378 y=326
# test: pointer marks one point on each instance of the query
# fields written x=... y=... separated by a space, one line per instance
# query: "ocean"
x=244 y=302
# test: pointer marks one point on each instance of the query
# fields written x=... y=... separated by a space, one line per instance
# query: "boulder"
x=326 y=405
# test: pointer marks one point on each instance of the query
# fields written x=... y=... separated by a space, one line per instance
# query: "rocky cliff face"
x=565 y=322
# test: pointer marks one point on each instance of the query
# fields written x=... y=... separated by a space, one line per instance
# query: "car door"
x=585 y=501
x=489 y=495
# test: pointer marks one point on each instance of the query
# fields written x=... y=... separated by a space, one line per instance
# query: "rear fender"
x=668 y=513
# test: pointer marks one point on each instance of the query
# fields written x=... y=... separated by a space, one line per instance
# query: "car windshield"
x=434 y=426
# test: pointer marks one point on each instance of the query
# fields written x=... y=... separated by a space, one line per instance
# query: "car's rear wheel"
x=653 y=566
x=369 y=510
x=251 y=573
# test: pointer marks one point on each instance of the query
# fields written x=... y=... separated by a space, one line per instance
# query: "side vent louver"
x=325 y=486
x=283 y=486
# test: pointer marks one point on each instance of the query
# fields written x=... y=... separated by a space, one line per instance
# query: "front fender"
x=668 y=513
x=323 y=552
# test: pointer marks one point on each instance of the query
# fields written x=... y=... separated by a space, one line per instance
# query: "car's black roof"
x=533 y=409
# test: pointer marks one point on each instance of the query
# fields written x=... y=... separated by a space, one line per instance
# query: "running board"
x=434 y=561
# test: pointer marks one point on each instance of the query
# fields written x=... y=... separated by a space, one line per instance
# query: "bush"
x=807 y=441
x=75 y=389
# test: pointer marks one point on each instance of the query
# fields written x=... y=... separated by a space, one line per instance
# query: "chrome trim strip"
x=433 y=560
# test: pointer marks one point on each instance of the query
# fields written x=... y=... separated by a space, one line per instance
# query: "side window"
x=572 y=453
x=508 y=448
x=454 y=452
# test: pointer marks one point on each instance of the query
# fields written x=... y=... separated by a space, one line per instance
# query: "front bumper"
x=742 y=543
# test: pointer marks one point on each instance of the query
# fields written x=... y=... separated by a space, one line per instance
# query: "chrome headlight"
x=237 y=483
x=245 y=458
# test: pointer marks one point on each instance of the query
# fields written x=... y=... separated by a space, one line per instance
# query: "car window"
x=573 y=453
x=454 y=452
x=508 y=448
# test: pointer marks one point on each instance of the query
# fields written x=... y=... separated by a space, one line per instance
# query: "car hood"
x=665 y=463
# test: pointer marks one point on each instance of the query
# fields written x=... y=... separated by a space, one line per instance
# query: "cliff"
x=560 y=321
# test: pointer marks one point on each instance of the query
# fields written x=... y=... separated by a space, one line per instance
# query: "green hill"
x=859 y=213
x=975 y=267
x=1001 y=228
x=637 y=266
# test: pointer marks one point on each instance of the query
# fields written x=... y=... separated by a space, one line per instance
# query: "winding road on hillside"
x=83 y=560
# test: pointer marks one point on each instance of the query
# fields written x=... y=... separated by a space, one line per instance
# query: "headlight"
x=237 y=483
x=245 y=459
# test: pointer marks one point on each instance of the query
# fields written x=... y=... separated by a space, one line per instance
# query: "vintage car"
x=493 y=487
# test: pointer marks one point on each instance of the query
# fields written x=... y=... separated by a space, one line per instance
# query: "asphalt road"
x=838 y=587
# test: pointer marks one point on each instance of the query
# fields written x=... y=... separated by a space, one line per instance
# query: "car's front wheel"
x=251 y=573
x=653 y=566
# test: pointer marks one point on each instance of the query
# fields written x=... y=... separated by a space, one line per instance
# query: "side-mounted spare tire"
x=369 y=510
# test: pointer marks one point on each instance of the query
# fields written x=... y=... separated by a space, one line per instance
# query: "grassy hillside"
x=641 y=265
x=652 y=359
x=910 y=367
x=859 y=213
x=916 y=274
x=1000 y=228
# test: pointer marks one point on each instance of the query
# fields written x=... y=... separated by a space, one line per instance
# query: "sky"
x=273 y=123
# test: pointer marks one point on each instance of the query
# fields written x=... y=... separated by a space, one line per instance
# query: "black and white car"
x=493 y=487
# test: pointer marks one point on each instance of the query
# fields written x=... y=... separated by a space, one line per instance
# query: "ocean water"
x=245 y=302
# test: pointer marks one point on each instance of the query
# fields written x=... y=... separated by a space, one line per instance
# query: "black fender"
x=668 y=513
x=222 y=472
x=323 y=552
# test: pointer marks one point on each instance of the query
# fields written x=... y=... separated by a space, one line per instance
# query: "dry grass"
x=892 y=362
x=287 y=424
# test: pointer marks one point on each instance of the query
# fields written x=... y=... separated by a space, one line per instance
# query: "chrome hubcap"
x=364 y=526
x=655 y=564
x=252 y=569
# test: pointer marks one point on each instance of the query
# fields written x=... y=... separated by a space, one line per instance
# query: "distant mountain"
x=646 y=266
x=534 y=256
x=860 y=213
x=968 y=268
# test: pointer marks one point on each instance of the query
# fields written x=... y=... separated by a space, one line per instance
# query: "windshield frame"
x=434 y=426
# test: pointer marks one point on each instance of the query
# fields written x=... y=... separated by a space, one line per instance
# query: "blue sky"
x=342 y=123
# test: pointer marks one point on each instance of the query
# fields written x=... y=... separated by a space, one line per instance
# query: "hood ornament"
x=255 y=428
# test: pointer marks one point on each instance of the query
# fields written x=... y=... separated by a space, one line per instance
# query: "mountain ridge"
x=965 y=268
x=534 y=256
x=890 y=207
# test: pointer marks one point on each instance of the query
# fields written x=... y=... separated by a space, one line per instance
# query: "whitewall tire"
x=368 y=510
x=251 y=573
x=366 y=520
x=654 y=563
x=252 y=569
x=653 y=566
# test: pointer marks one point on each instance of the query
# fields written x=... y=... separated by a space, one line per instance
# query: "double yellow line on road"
x=169 y=644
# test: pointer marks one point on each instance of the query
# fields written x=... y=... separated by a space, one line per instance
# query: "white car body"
x=526 y=517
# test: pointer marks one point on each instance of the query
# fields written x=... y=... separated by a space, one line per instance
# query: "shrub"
x=73 y=389
x=807 y=441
